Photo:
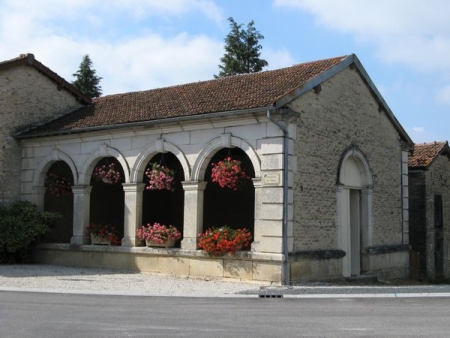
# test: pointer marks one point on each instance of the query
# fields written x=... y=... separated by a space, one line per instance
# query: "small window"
x=438 y=211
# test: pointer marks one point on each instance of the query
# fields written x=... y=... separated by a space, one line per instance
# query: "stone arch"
x=354 y=209
x=103 y=151
x=361 y=161
x=224 y=141
x=160 y=146
x=43 y=166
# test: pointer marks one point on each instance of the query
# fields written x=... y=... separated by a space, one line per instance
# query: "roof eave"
x=147 y=123
x=346 y=62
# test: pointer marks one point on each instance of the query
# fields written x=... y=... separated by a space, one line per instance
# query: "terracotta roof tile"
x=231 y=93
x=425 y=153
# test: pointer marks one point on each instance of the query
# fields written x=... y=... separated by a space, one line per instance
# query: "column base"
x=78 y=240
x=189 y=243
x=132 y=241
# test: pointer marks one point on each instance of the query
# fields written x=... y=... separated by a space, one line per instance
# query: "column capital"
x=133 y=187
x=81 y=189
x=191 y=185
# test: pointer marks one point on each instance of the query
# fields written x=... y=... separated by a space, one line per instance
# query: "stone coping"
x=172 y=252
x=385 y=249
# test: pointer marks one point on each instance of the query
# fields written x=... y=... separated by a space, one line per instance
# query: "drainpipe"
x=285 y=278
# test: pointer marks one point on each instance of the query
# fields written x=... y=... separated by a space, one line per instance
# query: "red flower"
x=223 y=240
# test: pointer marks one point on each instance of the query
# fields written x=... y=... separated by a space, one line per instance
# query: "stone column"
x=366 y=216
x=132 y=213
x=193 y=213
x=38 y=197
x=258 y=231
x=81 y=212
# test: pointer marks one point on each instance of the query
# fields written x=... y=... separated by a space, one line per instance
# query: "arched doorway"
x=354 y=221
x=225 y=206
x=161 y=205
x=59 y=198
x=107 y=196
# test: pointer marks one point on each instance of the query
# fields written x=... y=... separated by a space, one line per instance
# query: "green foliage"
x=87 y=82
x=242 y=51
x=20 y=226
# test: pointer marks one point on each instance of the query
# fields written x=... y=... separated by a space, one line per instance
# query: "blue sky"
x=135 y=45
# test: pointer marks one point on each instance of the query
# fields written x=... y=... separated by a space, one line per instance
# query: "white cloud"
x=443 y=95
x=416 y=34
x=60 y=33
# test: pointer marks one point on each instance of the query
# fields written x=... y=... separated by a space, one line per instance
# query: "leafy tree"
x=87 y=82
x=242 y=51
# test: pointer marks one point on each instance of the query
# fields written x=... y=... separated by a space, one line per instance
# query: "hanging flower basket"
x=228 y=173
x=107 y=173
x=159 y=177
x=224 y=240
x=57 y=185
x=158 y=234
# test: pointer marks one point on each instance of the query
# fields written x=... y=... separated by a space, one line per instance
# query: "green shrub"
x=21 y=224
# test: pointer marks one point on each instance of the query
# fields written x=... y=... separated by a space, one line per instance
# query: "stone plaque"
x=272 y=178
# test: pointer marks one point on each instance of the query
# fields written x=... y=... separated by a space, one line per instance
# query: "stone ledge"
x=384 y=249
x=316 y=254
x=172 y=252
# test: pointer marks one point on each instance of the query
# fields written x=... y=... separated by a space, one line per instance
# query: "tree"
x=87 y=82
x=242 y=51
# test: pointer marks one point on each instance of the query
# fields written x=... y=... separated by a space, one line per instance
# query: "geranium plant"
x=107 y=173
x=224 y=240
x=158 y=233
x=57 y=185
x=159 y=177
x=104 y=231
x=228 y=173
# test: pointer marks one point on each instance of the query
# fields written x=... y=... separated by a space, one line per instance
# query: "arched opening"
x=354 y=210
x=107 y=195
x=225 y=206
x=165 y=206
x=59 y=198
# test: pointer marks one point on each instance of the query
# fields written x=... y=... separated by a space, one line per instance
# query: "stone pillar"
x=258 y=232
x=405 y=199
x=81 y=209
x=38 y=197
x=366 y=216
x=193 y=213
x=132 y=213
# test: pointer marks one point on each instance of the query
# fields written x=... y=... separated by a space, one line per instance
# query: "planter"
x=170 y=243
x=97 y=240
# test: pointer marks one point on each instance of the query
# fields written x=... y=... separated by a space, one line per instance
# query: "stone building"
x=327 y=157
x=30 y=94
x=429 y=201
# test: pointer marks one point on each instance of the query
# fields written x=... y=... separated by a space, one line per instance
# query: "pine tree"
x=242 y=51
x=86 y=80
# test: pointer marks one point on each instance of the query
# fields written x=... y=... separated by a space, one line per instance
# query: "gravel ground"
x=51 y=278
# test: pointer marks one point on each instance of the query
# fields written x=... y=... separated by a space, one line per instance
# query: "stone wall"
x=437 y=183
x=27 y=98
x=343 y=114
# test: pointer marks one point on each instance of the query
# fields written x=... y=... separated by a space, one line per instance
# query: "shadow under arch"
x=91 y=162
x=224 y=141
x=43 y=166
x=160 y=146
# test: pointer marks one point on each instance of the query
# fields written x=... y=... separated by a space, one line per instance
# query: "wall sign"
x=273 y=178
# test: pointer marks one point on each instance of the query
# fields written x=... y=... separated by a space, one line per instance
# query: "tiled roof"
x=29 y=60
x=233 y=93
x=425 y=153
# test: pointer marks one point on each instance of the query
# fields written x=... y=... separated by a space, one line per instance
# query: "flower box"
x=169 y=243
x=158 y=235
x=98 y=240
x=224 y=240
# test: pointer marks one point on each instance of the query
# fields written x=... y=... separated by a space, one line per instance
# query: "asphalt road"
x=51 y=315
